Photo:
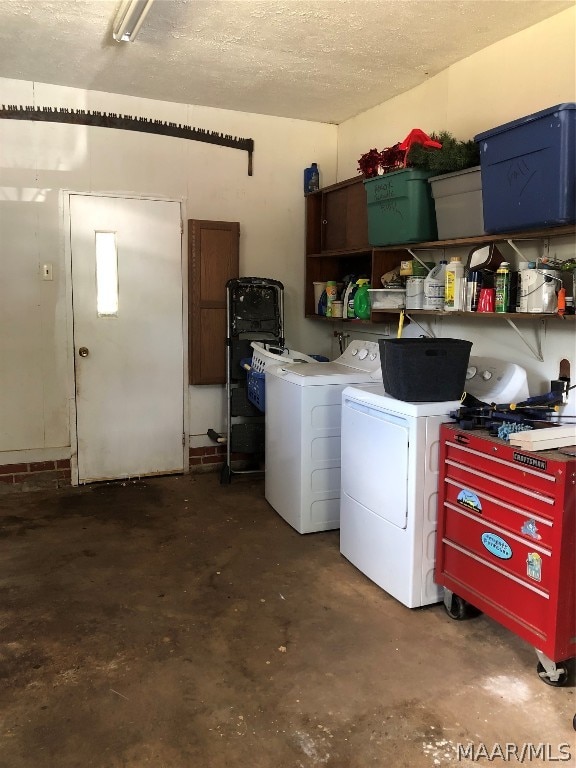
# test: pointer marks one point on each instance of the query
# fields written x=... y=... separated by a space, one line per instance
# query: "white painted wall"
x=37 y=160
x=529 y=71
x=526 y=72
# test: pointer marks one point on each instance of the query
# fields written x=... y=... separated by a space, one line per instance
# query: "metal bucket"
x=538 y=291
x=415 y=292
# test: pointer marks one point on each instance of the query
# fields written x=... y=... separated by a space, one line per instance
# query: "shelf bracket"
x=513 y=245
x=426 y=331
x=537 y=352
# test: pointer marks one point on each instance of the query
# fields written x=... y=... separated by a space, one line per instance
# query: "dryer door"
x=375 y=460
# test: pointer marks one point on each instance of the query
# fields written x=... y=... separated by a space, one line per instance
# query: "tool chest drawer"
x=506 y=473
x=523 y=561
x=528 y=607
x=506 y=535
x=510 y=515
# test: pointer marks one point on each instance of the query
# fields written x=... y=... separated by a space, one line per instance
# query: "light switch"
x=46 y=271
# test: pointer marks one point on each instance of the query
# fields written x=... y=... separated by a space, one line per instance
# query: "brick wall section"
x=56 y=474
x=209 y=458
x=35 y=474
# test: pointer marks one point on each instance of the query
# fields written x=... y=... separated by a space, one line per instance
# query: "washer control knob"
x=362 y=354
x=471 y=372
x=354 y=352
x=372 y=355
x=486 y=375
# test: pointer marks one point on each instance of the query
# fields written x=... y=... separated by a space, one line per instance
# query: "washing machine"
x=303 y=408
x=390 y=478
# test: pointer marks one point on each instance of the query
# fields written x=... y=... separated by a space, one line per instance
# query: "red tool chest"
x=506 y=536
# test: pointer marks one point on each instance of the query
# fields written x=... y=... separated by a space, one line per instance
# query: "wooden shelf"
x=323 y=318
x=342 y=254
x=502 y=237
x=483 y=315
x=337 y=246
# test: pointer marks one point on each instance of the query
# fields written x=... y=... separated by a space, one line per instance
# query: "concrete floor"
x=177 y=623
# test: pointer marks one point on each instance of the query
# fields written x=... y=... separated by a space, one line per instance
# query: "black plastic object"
x=247 y=438
x=424 y=370
x=254 y=312
x=255 y=307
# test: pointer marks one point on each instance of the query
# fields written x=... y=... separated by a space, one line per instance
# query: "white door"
x=128 y=345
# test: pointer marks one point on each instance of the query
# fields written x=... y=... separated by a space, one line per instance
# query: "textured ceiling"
x=323 y=60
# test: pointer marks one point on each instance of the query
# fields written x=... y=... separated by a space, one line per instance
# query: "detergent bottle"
x=331 y=296
x=351 y=281
x=362 y=300
x=349 y=305
x=434 y=287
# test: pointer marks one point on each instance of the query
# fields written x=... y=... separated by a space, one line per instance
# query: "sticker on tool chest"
x=530 y=461
x=529 y=529
x=469 y=500
x=497 y=546
x=534 y=566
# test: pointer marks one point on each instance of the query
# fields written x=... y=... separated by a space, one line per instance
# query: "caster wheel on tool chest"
x=562 y=678
x=459 y=610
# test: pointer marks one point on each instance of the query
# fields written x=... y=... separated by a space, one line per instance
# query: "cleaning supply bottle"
x=434 y=287
x=311 y=179
x=362 y=300
x=331 y=295
x=561 y=300
x=349 y=306
x=322 y=303
x=453 y=277
x=502 y=286
x=346 y=295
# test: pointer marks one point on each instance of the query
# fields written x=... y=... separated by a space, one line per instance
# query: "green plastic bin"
x=400 y=208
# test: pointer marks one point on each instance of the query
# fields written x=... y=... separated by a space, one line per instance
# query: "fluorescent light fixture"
x=129 y=19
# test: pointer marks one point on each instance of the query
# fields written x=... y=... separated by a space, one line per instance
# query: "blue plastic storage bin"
x=528 y=171
x=255 y=384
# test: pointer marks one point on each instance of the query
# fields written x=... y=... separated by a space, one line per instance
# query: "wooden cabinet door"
x=345 y=217
x=334 y=219
x=356 y=217
x=213 y=259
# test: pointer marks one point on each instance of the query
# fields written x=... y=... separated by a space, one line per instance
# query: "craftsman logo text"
x=530 y=461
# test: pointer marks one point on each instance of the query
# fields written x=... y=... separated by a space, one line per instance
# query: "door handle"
x=83 y=352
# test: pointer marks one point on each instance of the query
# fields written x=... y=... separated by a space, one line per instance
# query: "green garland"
x=455 y=155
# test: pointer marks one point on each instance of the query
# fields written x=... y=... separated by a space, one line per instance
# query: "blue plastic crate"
x=255 y=384
x=528 y=169
x=256 y=389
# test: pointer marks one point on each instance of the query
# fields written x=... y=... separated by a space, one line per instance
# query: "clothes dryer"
x=303 y=409
x=388 y=505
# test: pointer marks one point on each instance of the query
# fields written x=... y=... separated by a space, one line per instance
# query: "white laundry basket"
x=263 y=356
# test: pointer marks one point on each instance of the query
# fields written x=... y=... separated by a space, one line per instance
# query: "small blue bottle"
x=323 y=303
x=311 y=179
